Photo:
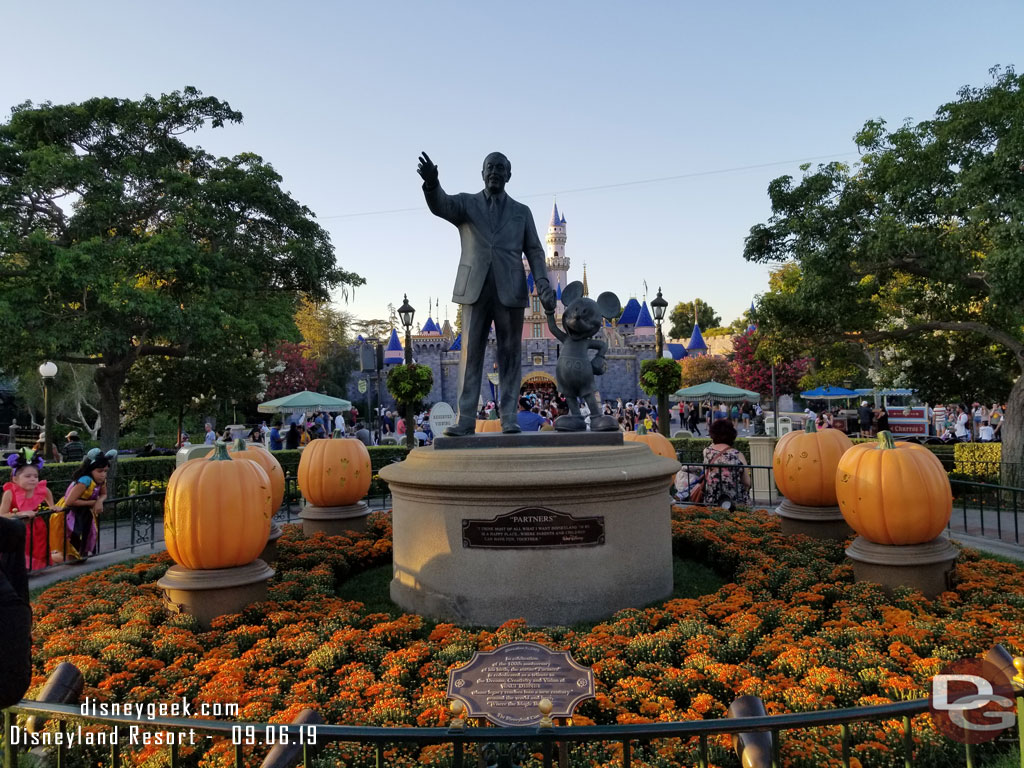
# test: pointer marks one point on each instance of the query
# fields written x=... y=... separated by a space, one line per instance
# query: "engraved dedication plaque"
x=506 y=685
x=533 y=528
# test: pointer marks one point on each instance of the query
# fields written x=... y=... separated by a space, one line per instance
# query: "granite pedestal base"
x=926 y=567
x=269 y=553
x=334 y=521
x=552 y=532
x=217 y=592
x=817 y=522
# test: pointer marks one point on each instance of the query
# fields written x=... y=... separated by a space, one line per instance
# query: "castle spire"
x=586 y=288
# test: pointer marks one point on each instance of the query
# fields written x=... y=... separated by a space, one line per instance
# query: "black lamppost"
x=406 y=312
x=658 y=307
x=47 y=371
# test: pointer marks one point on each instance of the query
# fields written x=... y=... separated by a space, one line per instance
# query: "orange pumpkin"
x=657 y=442
x=488 y=425
x=893 y=493
x=270 y=465
x=805 y=465
x=334 y=472
x=217 y=512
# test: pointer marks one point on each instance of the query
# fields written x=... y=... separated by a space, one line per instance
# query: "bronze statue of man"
x=491 y=283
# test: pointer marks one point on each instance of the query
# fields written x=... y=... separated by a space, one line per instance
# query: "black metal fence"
x=472 y=745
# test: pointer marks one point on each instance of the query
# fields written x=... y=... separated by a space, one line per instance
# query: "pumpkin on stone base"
x=893 y=493
x=334 y=472
x=657 y=442
x=805 y=465
x=270 y=464
x=217 y=512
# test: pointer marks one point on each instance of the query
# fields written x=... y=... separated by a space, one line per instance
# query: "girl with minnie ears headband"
x=83 y=502
x=22 y=497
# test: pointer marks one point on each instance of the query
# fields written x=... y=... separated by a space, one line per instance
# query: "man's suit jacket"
x=500 y=247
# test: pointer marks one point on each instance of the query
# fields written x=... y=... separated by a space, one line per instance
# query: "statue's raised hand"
x=427 y=170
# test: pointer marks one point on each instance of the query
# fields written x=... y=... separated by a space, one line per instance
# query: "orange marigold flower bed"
x=790 y=626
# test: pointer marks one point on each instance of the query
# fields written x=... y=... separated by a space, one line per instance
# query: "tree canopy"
x=681 y=318
x=119 y=241
x=924 y=236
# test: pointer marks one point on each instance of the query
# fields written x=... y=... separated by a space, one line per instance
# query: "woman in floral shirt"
x=725 y=480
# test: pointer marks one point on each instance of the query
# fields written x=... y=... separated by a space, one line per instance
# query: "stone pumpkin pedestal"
x=927 y=567
x=552 y=527
x=207 y=594
x=804 y=464
x=334 y=475
x=897 y=497
x=217 y=515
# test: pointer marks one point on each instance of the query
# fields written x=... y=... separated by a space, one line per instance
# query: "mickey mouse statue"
x=575 y=370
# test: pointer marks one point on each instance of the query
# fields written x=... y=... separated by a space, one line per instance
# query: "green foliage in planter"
x=660 y=376
x=410 y=384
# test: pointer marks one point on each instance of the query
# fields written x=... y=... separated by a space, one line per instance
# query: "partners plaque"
x=507 y=684
x=533 y=528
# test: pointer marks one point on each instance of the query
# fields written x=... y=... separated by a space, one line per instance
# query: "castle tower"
x=557 y=261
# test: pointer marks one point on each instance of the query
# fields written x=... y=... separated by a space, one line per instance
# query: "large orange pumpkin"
x=657 y=442
x=805 y=465
x=217 y=512
x=334 y=472
x=263 y=457
x=893 y=493
x=488 y=425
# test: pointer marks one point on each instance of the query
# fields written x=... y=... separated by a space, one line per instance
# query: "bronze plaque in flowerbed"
x=507 y=684
x=533 y=528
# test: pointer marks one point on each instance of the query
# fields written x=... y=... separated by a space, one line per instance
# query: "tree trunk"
x=109 y=380
x=1012 y=433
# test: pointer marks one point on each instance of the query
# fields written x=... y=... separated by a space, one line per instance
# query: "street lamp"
x=406 y=312
x=48 y=371
x=658 y=307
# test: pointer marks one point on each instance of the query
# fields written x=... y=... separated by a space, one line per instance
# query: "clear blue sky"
x=583 y=97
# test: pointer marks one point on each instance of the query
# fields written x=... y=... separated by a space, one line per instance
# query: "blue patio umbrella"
x=828 y=393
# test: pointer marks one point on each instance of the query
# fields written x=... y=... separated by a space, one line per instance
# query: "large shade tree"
x=924 y=235
x=681 y=318
x=119 y=240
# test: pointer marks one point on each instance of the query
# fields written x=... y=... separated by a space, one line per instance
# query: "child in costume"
x=23 y=497
x=83 y=503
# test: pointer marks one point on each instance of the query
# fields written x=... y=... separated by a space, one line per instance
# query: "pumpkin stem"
x=239 y=444
x=885 y=440
x=810 y=426
x=338 y=434
x=641 y=429
x=220 y=452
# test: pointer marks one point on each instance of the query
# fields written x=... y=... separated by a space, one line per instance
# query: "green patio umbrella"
x=713 y=390
x=304 y=402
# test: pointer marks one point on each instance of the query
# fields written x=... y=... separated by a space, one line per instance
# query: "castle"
x=630 y=338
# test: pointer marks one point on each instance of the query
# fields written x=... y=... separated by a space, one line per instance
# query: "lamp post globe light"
x=406 y=312
x=47 y=371
x=658 y=307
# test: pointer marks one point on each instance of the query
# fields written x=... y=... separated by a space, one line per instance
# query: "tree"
x=681 y=318
x=323 y=328
x=293 y=372
x=701 y=368
x=119 y=241
x=373 y=329
x=754 y=373
x=926 y=235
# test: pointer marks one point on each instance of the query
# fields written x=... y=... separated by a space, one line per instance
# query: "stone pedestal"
x=556 y=529
x=269 y=553
x=818 y=522
x=926 y=567
x=209 y=594
x=762 y=481
x=189 y=452
x=334 y=521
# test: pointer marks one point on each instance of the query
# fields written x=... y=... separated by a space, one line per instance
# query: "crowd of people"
x=953 y=422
